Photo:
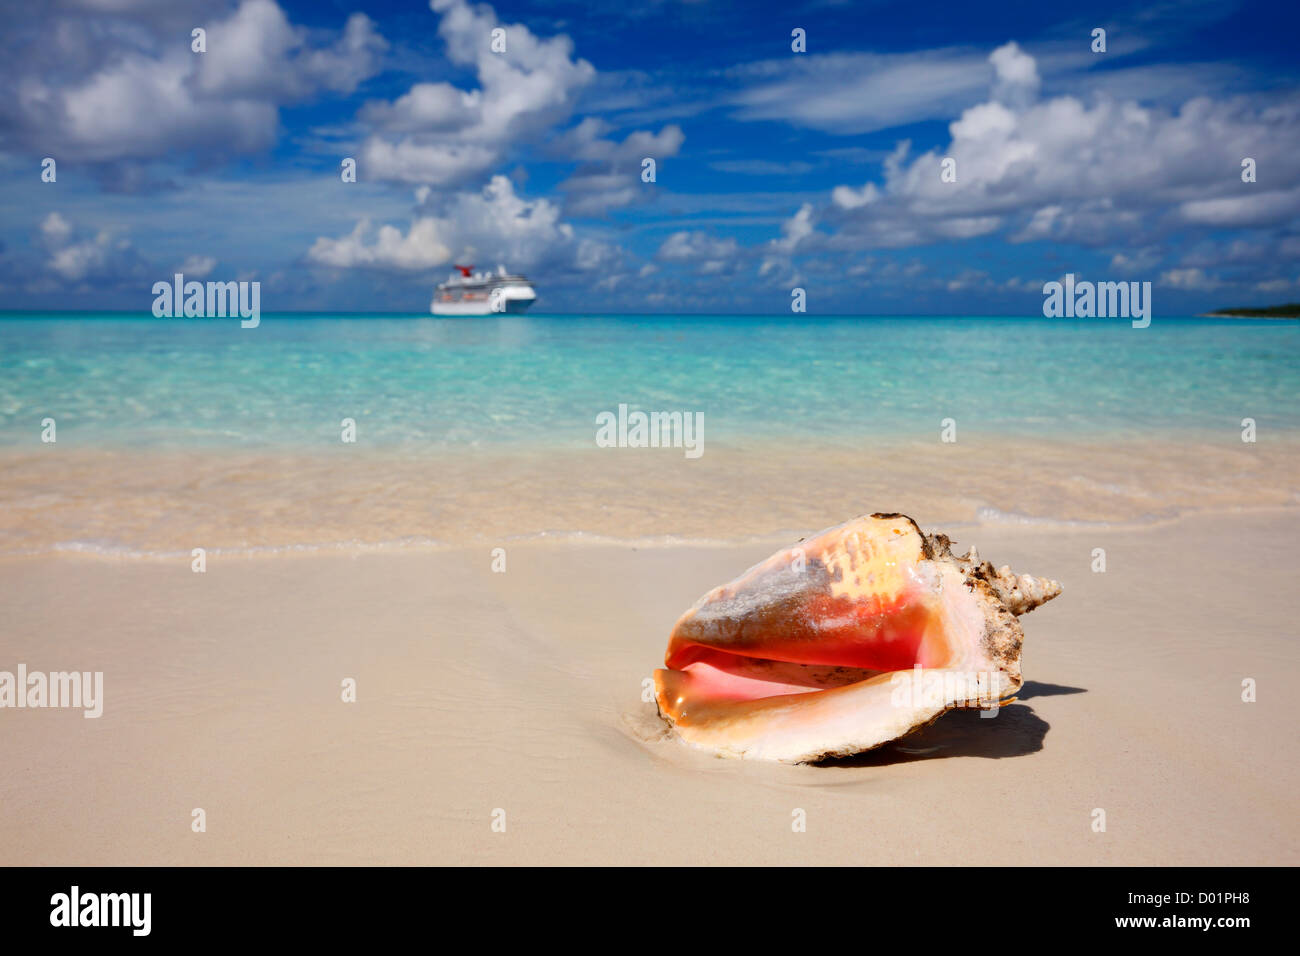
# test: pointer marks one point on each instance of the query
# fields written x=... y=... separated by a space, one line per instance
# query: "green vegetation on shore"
x=1289 y=311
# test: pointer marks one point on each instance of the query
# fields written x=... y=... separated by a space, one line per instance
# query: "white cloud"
x=145 y=95
x=853 y=93
x=197 y=267
x=1255 y=207
x=588 y=142
x=856 y=93
x=847 y=197
x=55 y=229
x=105 y=256
x=696 y=247
x=419 y=249
x=610 y=172
x=796 y=229
x=1017 y=74
x=256 y=53
x=1062 y=169
x=439 y=135
x=1188 y=279
x=493 y=225
x=797 y=233
x=438 y=164
x=425 y=107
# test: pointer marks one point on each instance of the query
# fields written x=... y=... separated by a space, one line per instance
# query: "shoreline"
x=139 y=502
x=579 y=539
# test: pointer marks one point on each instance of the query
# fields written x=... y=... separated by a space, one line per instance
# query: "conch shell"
x=852 y=639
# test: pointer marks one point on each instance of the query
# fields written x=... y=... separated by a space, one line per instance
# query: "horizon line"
x=146 y=313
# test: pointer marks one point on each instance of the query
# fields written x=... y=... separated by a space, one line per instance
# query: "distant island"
x=1289 y=311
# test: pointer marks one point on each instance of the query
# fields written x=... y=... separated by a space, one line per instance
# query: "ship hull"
x=509 y=307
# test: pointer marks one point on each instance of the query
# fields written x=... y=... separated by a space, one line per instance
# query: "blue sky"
x=774 y=169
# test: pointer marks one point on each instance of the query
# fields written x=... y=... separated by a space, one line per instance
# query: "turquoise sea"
x=418 y=382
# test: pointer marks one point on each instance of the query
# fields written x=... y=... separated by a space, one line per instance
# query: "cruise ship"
x=467 y=292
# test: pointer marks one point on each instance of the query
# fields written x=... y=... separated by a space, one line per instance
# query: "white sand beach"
x=521 y=691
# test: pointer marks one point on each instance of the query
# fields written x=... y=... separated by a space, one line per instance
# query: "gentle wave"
x=989 y=515
x=984 y=516
x=103 y=549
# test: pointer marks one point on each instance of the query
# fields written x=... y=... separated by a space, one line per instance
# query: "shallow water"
x=425 y=383
x=175 y=434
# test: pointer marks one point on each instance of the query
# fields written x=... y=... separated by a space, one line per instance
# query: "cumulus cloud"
x=99 y=86
x=1016 y=74
x=798 y=233
x=416 y=250
x=1101 y=172
x=103 y=256
x=795 y=229
x=257 y=53
x=846 y=197
x=709 y=255
x=439 y=135
x=426 y=107
x=493 y=225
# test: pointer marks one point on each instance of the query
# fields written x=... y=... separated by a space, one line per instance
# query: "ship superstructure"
x=467 y=292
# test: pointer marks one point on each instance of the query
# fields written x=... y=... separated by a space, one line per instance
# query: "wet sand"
x=69 y=498
x=521 y=691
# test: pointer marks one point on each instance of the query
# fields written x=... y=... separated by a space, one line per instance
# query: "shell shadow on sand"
x=1014 y=732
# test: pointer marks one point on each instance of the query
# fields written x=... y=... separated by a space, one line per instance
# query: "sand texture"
x=521 y=691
